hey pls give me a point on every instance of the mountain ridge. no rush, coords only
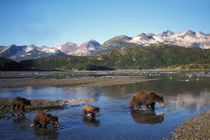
(189, 39)
(19, 53)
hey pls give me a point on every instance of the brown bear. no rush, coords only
(90, 110)
(20, 103)
(147, 99)
(43, 120)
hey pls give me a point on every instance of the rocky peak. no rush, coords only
(167, 33)
(92, 44)
(190, 33)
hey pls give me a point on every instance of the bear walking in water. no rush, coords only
(90, 110)
(20, 103)
(148, 99)
(43, 120)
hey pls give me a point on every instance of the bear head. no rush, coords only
(53, 120)
(160, 100)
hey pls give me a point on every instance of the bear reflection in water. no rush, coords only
(146, 116)
(49, 133)
(91, 121)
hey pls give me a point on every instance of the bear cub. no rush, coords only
(43, 119)
(89, 111)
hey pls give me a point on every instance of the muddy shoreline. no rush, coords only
(196, 128)
(72, 82)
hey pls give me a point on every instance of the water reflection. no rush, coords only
(146, 116)
(49, 133)
(189, 100)
(91, 122)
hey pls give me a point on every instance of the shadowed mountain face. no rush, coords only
(7, 65)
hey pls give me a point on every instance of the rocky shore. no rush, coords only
(38, 106)
(196, 128)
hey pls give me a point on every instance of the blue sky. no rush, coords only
(54, 22)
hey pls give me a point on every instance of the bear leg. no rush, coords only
(34, 124)
(13, 108)
(148, 106)
(84, 113)
(137, 105)
(22, 108)
(152, 106)
(43, 125)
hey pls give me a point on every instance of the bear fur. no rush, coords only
(20, 103)
(147, 99)
(89, 110)
(43, 119)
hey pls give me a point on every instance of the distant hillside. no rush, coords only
(157, 56)
(8, 65)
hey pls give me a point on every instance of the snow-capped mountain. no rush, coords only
(185, 39)
(188, 39)
(19, 53)
(86, 48)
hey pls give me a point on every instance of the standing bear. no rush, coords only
(43, 120)
(90, 111)
(20, 103)
(147, 99)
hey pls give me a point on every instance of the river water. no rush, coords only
(184, 98)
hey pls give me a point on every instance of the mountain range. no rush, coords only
(187, 39)
(19, 53)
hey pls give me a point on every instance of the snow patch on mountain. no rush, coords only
(186, 39)
(86, 48)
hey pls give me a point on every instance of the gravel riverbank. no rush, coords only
(196, 128)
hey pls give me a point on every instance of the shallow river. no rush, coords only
(184, 98)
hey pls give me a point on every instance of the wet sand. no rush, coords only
(195, 128)
(72, 82)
